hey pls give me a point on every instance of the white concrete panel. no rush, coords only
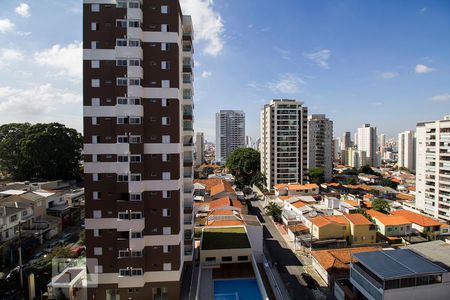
(135, 71)
(163, 148)
(154, 185)
(135, 52)
(99, 54)
(162, 93)
(160, 37)
(107, 167)
(134, 13)
(113, 278)
(106, 148)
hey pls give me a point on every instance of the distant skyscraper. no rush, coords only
(199, 149)
(382, 145)
(320, 144)
(284, 142)
(407, 150)
(230, 133)
(346, 140)
(336, 149)
(368, 142)
(433, 168)
(353, 158)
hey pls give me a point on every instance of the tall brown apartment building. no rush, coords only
(138, 152)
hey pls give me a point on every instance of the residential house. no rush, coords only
(295, 189)
(391, 225)
(420, 223)
(362, 231)
(330, 227)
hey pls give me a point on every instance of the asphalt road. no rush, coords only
(276, 250)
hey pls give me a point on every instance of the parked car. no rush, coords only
(65, 238)
(78, 250)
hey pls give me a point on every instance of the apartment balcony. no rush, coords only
(137, 244)
(134, 14)
(135, 71)
(135, 52)
(187, 36)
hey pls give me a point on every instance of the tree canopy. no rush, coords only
(381, 205)
(389, 183)
(244, 164)
(42, 151)
(272, 209)
(317, 175)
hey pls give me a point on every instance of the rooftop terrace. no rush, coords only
(225, 238)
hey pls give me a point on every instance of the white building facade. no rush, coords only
(407, 150)
(433, 168)
(284, 142)
(367, 141)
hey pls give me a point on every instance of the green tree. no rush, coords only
(389, 183)
(362, 212)
(44, 151)
(317, 175)
(367, 170)
(381, 205)
(244, 164)
(274, 210)
(352, 171)
(259, 180)
(351, 180)
(82, 238)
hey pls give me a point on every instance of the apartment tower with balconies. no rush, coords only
(138, 152)
(284, 142)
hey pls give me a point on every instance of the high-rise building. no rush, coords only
(368, 142)
(199, 149)
(407, 150)
(354, 158)
(336, 149)
(382, 145)
(138, 152)
(230, 133)
(346, 140)
(320, 144)
(433, 168)
(284, 142)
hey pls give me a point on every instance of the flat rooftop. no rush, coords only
(436, 251)
(394, 264)
(225, 238)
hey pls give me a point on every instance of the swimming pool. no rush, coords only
(236, 289)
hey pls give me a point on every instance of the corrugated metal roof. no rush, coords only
(391, 264)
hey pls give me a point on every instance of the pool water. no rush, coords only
(236, 289)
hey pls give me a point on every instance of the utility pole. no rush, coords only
(20, 255)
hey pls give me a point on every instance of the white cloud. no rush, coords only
(208, 25)
(389, 75)
(67, 59)
(206, 74)
(36, 99)
(423, 10)
(23, 9)
(287, 84)
(5, 25)
(9, 55)
(421, 69)
(441, 98)
(376, 103)
(284, 53)
(320, 58)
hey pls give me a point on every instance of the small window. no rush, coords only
(121, 23)
(167, 248)
(210, 259)
(164, 28)
(165, 121)
(95, 45)
(164, 102)
(134, 43)
(122, 139)
(121, 4)
(98, 251)
(165, 83)
(227, 258)
(135, 158)
(166, 194)
(98, 269)
(164, 9)
(121, 42)
(95, 7)
(94, 26)
(95, 82)
(94, 121)
(167, 230)
(165, 157)
(135, 197)
(165, 46)
(134, 24)
(167, 267)
(122, 178)
(122, 101)
(243, 258)
(166, 139)
(136, 139)
(166, 175)
(95, 101)
(166, 212)
(165, 65)
(135, 177)
(136, 235)
(122, 158)
(121, 62)
(97, 214)
(95, 64)
(135, 62)
(122, 82)
(96, 177)
(97, 232)
(133, 4)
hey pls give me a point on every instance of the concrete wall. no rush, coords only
(218, 254)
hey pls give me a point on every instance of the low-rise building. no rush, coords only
(330, 227)
(397, 275)
(420, 223)
(389, 225)
(295, 189)
(362, 231)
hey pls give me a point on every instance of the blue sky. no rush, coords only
(381, 62)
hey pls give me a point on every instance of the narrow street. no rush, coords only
(277, 251)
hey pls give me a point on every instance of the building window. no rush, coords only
(166, 194)
(167, 248)
(166, 212)
(95, 45)
(163, 102)
(95, 7)
(98, 250)
(96, 177)
(122, 139)
(95, 64)
(94, 121)
(122, 178)
(121, 42)
(134, 43)
(166, 175)
(97, 195)
(95, 101)
(167, 230)
(161, 293)
(165, 65)
(166, 139)
(227, 258)
(97, 232)
(164, 28)
(122, 82)
(98, 269)
(13, 218)
(121, 4)
(210, 259)
(94, 26)
(136, 235)
(165, 83)
(122, 158)
(135, 197)
(164, 9)
(135, 139)
(165, 121)
(95, 82)
(135, 120)
(165, 157)
(133, 4)
(135, 177)
(135, 158)
(121, 63)
(243, 258)
(134, 24)
(167, 267)
(165, 46)
(97, 214)
(121, 23)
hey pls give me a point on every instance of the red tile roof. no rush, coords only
(416, 218)
(357, 219)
